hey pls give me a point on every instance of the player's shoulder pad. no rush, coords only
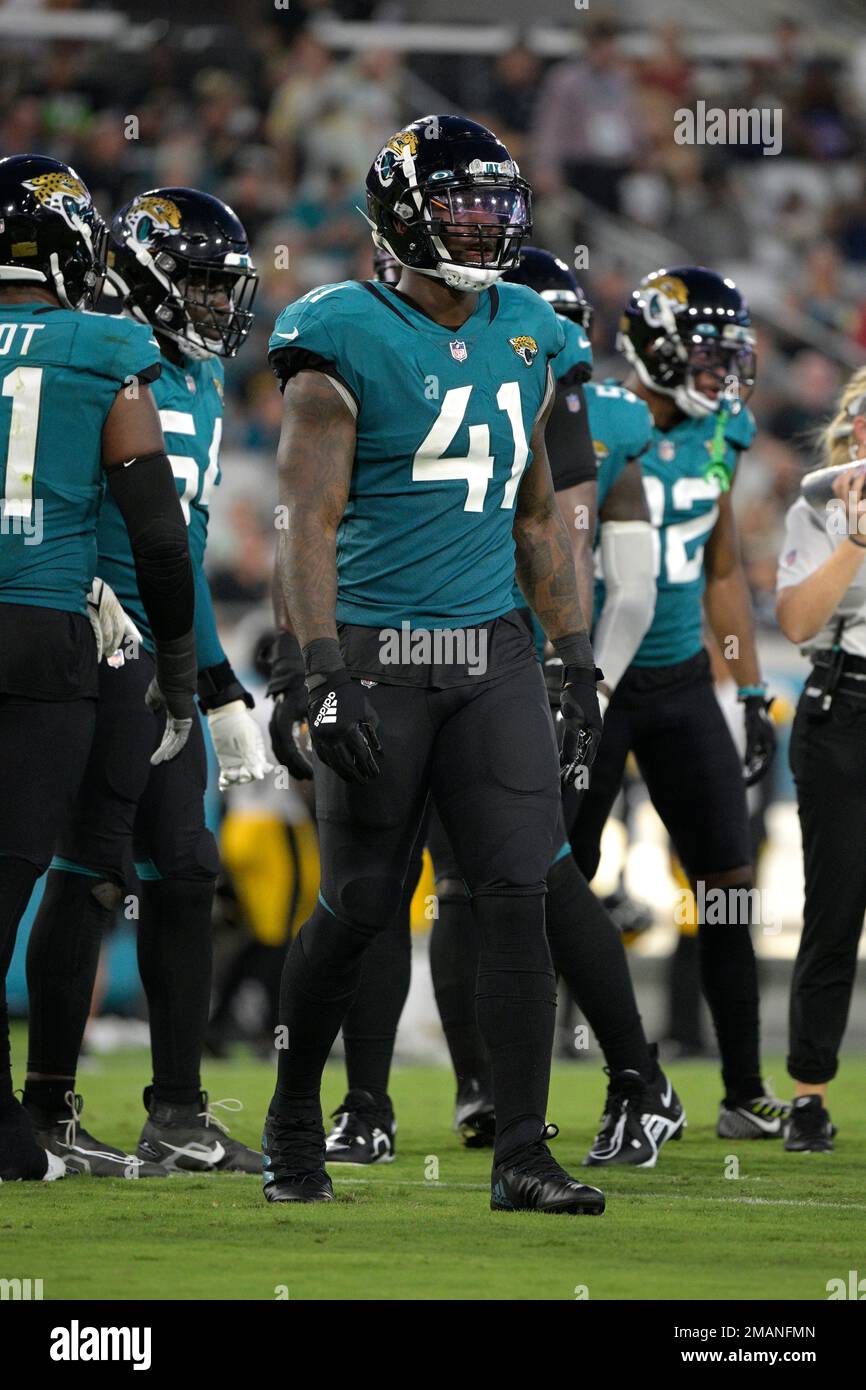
(118, 347)
(316, 331)
(617, 412)
(527, 313)
(741, 427)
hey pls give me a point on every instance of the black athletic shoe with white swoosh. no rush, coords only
(530, 1179)
(760, 1117)
(63, 1134)
(639, 1117)
(293, 1159)
(364, 1133)
(191, 1139)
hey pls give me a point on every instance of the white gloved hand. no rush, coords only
(109, 622)
(238, 744)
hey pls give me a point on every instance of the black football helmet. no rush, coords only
(551, 278)
(50, 232)
(688, 321)
(181, 261)
(445, 198)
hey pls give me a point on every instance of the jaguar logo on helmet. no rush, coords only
(660, 297)
(150, 214)
(401, 146)
(61, 193)
(526, 348)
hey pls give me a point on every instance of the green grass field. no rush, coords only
(780, 1230)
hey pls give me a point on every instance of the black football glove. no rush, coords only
(578, 708)
(289, 693)
(343, 727)
(760, 738)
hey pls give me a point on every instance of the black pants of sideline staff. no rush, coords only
(828, 760)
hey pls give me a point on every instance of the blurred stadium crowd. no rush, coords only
(281, 126)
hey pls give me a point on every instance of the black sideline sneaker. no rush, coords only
(191, 1139)
(762, 1117)
(639, 1117)
(809, 1129)
(62, 1133)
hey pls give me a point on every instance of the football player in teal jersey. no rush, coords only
(180, 261)
(686, 333)
(76, 413)
(585, 946)
(413, 473)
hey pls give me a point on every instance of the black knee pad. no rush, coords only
(191, 855)
(451, 890)
(367, 902)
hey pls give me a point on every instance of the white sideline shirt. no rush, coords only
(807, 545)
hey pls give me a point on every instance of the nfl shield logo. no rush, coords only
(667, 449)
(458, 350)
(573, 402)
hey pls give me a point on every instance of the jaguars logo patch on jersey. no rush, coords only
(526, 348)
(61, 193)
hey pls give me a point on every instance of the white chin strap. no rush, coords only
(470, 278)
(685, 397)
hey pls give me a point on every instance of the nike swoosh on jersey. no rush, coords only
(290, 336)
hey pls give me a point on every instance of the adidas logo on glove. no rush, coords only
(328, 712)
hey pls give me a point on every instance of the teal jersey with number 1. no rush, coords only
(189, 398)
(444, 419)
(60, 372)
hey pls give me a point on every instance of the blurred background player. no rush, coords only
(180, 261)
(76, 411)
(442, 487)
(686, 333)
(822, 607)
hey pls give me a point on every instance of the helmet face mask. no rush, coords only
(445, 199)
(180, 260)
(50, 232)
(688, 335)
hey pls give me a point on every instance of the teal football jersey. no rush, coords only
(685, 472)
(444, 421)
(621, 428)
(576, 352)
(190, 403)
(60, 371)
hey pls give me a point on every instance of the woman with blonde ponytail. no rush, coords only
(821, 605)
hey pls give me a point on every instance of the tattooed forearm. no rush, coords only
(314, 468)
(544, 557)
(545, 573)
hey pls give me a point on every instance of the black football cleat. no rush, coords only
(191, 1139)
(474, 1115)
(809, 1129)
(22, 1157)
(293, 1153)
(62, 1133)
(639, 1117)
(531, 1180)
(364, 1133)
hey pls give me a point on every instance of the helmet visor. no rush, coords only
(478, 226)
(725, 359)
(217, 300)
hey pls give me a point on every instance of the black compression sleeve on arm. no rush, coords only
(146, 496)
(568, 439)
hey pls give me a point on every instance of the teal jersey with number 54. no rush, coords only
(60, 372)
(685, 471)
(444, 418)
(190, 403)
